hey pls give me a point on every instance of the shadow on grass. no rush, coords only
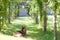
(58, 35)
(32, 32)
(10, 29)
(38, 34)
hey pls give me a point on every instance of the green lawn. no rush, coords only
(32, 29)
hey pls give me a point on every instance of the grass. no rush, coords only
(32, 29)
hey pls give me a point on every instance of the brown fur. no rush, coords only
(22, 32)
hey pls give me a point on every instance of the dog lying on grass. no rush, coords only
(22, 32)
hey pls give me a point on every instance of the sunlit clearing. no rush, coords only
(23, 20)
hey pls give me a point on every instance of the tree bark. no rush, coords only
(45, 17)
(55, 28)
(18, 9)
(45, 22)
(36, 18)
(55, 17)
(9, 14)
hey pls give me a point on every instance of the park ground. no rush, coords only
(33, 32)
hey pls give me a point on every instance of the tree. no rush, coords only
(55, 17)
(41, 11)
(9, 14)
(55, 6)
(3, 13)
(33, 11)
(45, 15)
(18, 9)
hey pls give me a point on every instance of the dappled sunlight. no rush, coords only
(29, 20)
(58, 23)
(50, 22)
(34, 31)
(39, 26)
(23, 20)
(16, 25)
(31, 32)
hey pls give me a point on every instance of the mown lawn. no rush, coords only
(32, 29)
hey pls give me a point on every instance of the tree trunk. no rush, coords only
(55, 28)
(54, 21)
(36, 18)
(28, 11)
(0, 24)
(15, 11)
(9, 14)
(45, 17)
(18, 9)
(45, 22)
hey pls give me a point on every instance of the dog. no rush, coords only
(22, 32)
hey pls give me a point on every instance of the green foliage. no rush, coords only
(41, 8)
(3, 10)
(1, 6)
(54, 5)
(16, 0)
(33, 7)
